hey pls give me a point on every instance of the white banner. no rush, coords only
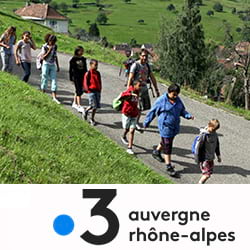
(159, 217)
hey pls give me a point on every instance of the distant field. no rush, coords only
(66, 44)
(123, 25)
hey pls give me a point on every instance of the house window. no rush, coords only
(52, 22)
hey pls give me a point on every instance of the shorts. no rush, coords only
(144, 99)
(94, 100)
(78, 87)
(207, 167)
(128, 122)
(167, 145)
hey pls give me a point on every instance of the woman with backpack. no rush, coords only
(7, 41)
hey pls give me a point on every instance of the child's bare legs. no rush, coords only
(93, 115)
(125, 133)
(131, 137)
(77, 100)
(204, 178)
(167, 159)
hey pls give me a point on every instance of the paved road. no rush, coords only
(234, 132)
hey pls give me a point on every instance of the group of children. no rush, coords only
(168, 107)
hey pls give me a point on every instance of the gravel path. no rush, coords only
(234, 132)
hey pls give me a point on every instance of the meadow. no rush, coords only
(123, 23)
(42, 142)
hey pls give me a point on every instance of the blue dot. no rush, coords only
(63, 224)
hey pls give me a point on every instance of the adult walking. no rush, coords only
(141, 71)
(23, 54)
(7, 41)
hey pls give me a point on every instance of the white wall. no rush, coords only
(60, 26)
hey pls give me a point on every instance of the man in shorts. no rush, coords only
(141, 71)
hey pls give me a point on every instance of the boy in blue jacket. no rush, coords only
(168, 108)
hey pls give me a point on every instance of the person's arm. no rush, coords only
(46, 52)
(32, 44)
(71, 70)
(130, 79)
(57, 64)
(152, 113)
(2, 44)
(17, 49)
(185, 114)
(217, 150)
(152, 77)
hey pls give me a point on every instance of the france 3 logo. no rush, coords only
(64, 225)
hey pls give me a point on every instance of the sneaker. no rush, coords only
(171, 171)
(157, 155)
(85, 115)
(56, 101)
(92, 122)
(74, 105)
(130, 151)
(139, 128)
(80, 109)
(124, 140)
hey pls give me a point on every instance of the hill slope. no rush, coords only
(123, 18)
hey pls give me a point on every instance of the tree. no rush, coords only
(199, 2)
(218, 7)
(127, 1)
(140, 21)
(228, 38)
(63, 6)
(181, 47)
(54, 5)
(234, 10)
(102, 18)
(94, 30)
(75, 3)
(246, 32)
(133, 43)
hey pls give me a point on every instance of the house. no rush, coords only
(45, 15)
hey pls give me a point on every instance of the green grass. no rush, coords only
(123, 25)
(41, 142)
(65, 43)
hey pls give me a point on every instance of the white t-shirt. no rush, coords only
(24, 51)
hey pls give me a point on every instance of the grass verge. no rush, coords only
(41, 142)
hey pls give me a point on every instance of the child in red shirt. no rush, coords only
(130, 112)
(92, 85)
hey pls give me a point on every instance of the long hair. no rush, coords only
(10, 31)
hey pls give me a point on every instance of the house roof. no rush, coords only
(41, 11)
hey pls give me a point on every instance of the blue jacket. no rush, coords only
(168, 116)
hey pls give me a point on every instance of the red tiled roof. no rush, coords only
(43, 11)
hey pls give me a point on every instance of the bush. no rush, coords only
(171, 7)
(238, 29)
(210, 13)
(102, 18)
(218, 7)
(141, 21)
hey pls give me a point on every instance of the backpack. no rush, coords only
(128, 63)
(39, 61)
(117, 103)
(198, 147)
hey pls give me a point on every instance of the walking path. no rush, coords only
(234, 132)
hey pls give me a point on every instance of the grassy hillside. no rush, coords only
(123, 18)
(66, 44)
(41, 142)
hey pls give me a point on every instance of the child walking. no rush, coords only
(208, 147)
(169, 107)
(92, 85)
(130, 112)
(23, 54)
(49, 65)
(77, 70)
(7, 41)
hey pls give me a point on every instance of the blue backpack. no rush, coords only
(197, 146)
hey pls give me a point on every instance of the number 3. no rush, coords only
(106, 196)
